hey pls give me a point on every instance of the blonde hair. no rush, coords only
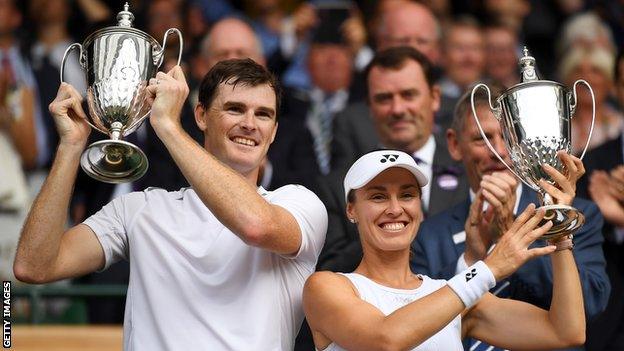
(600, 58)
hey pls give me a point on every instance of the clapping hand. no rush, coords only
(607, 191)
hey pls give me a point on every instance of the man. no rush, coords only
(464, 63)
(501, 54)
(302, 150)
(464, 233)
(403, 100)
(220, 265)
(400, 23)
(231, 38)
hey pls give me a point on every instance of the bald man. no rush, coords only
(231, 38)
(410, 24)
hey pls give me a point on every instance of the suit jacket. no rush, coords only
(292, 152)
(439, 244)
(342, 251)
(355, 134)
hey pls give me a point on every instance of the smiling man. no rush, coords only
(224, 259)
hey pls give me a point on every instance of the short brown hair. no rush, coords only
(395, 58)
(236, 71)
(463, 106)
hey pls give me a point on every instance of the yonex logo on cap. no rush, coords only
(389, 157)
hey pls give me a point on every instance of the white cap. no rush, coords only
(373, 163)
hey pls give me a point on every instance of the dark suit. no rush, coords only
(292, 152)
(607, 331)
(436, 254)
(355, 133)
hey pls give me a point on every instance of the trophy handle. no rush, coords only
(162, 56)
(573, 108)
(82, 64)
(67, 51)
(496, 112)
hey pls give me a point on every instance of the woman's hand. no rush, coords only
(564, 191)
(512, 250)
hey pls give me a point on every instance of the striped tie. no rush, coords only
(322, 141)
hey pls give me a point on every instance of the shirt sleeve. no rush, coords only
(310, 214)
(111, 224)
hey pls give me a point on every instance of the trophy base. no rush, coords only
(114, 161)
(566, 219)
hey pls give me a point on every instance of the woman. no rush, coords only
(383, 305)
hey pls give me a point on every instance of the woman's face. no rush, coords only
(600, 83)
(388, 210)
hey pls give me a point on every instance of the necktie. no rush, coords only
(322, 140)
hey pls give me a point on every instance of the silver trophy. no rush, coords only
(535, 118)
(119, 61)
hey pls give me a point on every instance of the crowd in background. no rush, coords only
(319, 50)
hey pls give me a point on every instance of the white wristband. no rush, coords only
(472, 283)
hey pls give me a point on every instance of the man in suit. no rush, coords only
(464, 233)
(403, 24)
(403, 100)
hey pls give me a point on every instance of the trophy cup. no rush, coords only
(535, 119)
(119, 61)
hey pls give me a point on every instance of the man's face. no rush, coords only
(410, 25)
(239, 125)
(402, 105)
(231, 39)
(330, 67)
(501, 60)
(470, 148)
(465, 58)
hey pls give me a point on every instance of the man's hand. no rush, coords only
(166, 96)
(304, 18)
(484, 227)
(69, 117)
(565, 189)
(605, 190)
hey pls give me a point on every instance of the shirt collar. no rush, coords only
(426, 153)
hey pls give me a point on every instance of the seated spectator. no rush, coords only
(604, 185)
(594, 65)
(501, 55)
(456, 238)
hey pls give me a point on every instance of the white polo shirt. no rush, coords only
(195, 285)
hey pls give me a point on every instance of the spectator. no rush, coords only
(596, 67)
(604, 186)
(464, 64)
(501, 55)
(463, 234)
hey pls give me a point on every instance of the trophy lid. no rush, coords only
(527, 67)
(125, 17)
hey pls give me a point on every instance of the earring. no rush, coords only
(352, 220)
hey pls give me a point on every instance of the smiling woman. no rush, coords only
(382, 305)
